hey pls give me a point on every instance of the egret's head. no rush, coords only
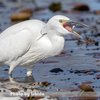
(63, 25)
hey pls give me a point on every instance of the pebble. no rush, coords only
(68, 78)
(58, 89)
(6, 69)
(56, 70)
(96, 43)
(71, 51)
(54, 84)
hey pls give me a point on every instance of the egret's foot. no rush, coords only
(29, 73)
(12, 79)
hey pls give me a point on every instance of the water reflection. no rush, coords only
(27, 79)
(23, 88)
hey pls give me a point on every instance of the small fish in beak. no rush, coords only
(70, 25)
(73, 27)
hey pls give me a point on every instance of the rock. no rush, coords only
(2, 5)
(45, 83)
(81, 7)
(6, 69)
(96, 43)
(55, 7)
(20, 16)
(14, 89)
(56, 70)
(97, 12)
(85, 87)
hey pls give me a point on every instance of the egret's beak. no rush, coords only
(70, 25)
(76, 23)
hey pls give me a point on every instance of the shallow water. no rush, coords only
(63, 85)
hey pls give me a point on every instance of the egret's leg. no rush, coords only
(12, 66)
(12, 79)
(29, 70)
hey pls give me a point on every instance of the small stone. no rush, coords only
(81, 7)
(50, 87)
(96, 43)
(97, 77)
(2, 5)
(32, 89)
(14, 89)
(55, 7)
(20, 16)
(58, 89)
(92, 86)
(97, 12)
(82, 20)
(68, 78)
(84, 31)
(76, 83)
(85, 87)
(56, 70)
(45, 83)
(53, 84)
(94, 78)
(71, 51)
(6, 69)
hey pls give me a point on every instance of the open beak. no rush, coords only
(70, 25)
(77, 23)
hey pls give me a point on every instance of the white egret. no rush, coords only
(30, 41)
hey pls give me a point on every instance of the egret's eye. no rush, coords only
(60, 20)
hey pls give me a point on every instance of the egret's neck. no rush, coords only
(57, 42)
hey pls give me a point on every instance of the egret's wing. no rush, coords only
(16, 40)
(34, 26)
(16, 45)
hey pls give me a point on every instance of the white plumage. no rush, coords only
(30, 41)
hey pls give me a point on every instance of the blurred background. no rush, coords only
(14, 11)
